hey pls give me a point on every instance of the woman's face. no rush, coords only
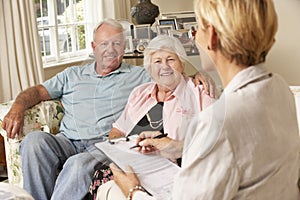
(166, 68)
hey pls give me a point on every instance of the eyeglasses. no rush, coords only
(117, 140)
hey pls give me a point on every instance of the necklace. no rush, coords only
(154, 124)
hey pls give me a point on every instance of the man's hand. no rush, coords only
(14, 120)
(115, 133)
(166, 146)
(125, 180)
(209, 85)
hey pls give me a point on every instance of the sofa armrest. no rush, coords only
(45, 116)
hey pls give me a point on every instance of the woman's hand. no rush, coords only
(166, 146)
(125, 180)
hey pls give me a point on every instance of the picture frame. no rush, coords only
(170, 21)
(187, 42)
(181, 17)
(180, 14)
(153, 32)
(142, 31)
(142, 45)
(126, 26)
(192, 27)
(188, 25)
(182, 35)
(164, 29)
(128, 44)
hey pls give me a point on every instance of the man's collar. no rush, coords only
(91, 69)
(124, 68)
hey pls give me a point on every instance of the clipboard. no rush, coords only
(155, 172)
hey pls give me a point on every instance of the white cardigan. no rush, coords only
(248, 148)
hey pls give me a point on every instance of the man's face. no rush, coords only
(108, 47)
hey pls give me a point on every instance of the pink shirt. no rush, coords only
(186, 101)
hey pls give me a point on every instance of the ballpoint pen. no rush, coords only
(156, 137)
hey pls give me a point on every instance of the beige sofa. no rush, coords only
(45, 116)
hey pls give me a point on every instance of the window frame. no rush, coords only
(75, 54)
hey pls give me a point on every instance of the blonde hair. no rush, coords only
(245, 29)
(164, 42)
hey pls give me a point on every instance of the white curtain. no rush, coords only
(116, 9)
(100, 9)
(20, 57)
(122, 9)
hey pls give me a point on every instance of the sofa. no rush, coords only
(45, 116)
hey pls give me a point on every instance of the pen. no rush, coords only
(156, 137)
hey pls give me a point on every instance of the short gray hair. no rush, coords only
(164, 42)
(114, 23)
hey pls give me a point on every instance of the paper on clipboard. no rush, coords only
(155, 172)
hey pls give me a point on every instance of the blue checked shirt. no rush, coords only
(93, 102)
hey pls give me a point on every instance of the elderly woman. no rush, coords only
(163, 105)
(246, 145)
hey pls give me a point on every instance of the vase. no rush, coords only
(144, 12)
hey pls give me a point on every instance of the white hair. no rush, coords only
(164, 42)
(114, 23)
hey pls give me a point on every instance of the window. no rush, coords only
(62, 28)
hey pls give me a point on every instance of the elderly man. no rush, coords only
(93, 96)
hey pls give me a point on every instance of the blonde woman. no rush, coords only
(246, 145)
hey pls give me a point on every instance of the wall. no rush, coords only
(166, 6)
(51, 71)
(284, 57)
(170, 5)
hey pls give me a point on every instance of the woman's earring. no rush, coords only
(208, 47)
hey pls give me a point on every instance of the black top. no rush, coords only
(152, 122)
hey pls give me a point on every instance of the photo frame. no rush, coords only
(192, 27)
(182, 35)
(153, 32)
(142, 31)
(189, 25)
(188, 43)
(181, 17)
(142, 45)
(171, 21)
(181, 14)
(164, 29)
(126, 26)
(128, 44)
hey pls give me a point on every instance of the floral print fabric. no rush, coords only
(45, 116)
